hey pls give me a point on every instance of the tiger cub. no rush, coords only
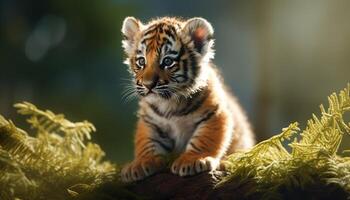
(184, 107)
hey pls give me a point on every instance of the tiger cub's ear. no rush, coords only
(131, 26)
(200, 32)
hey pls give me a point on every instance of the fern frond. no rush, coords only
(46, 122)
(11, 174)
(56, 129)
(57, 159)
(312, 160)
(327, 132)
(13, 139)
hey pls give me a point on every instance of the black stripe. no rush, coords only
(165, 142)
(194, 65)
(181, 53)
(202, 136)
(203, 144)
(158, 130)
(158, 50)
(150, 30)
(160, 29)
(174, 69)
(164, 146)
(207, 116)
(180, 76)
(168, 42)
(145, 117)
(173, 79)
(146, 152)
(125, 37)
(165, 94)
(145, 40)
(168, 32)
(194, 102)
(195, 147)
(156, 110)
(172, 28)
(158, 40)
(185, 68)
(172, 52)
(166, 47)
(149, 146)
(191, 109)
(184, 61)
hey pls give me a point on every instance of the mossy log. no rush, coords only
(164, 186)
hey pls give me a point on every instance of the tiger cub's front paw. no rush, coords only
(193, 164)
(141, 168)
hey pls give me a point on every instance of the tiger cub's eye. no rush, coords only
(141, 62)
(168, 62)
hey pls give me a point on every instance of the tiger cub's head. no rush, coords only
(168, 57)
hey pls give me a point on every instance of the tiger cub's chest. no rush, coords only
(178, 129)
(182, 129)
(178, 121)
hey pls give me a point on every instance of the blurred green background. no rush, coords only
(282, 58)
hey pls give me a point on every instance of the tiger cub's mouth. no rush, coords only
(162, 92)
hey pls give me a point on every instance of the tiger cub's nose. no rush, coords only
(150, 84)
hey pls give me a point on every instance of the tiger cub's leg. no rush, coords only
(150, 145)
(207, 146)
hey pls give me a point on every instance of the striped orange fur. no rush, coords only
(184, 107)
